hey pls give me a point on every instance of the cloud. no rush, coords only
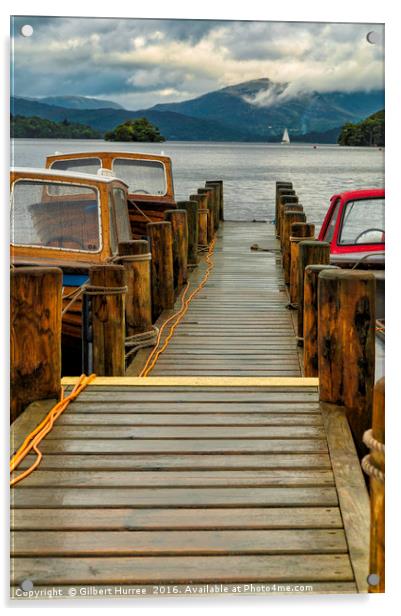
(140, 62)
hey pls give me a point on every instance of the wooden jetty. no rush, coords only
(224, 466)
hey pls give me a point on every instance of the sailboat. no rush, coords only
(285, 138)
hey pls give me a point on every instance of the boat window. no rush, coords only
(55, 215)
(80, 165)
(121, 213)
(144, 177)
(332, 224)
(363, 222)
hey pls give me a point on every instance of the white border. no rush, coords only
(286, 10)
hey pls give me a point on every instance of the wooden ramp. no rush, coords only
(193, 481)
(237, 325)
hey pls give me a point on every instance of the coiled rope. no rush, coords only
(374, 445)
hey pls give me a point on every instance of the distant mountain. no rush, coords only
(265, 108)
(257, 110)
(174, 126)
(77, 102)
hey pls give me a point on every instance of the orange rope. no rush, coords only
(37, 435)
(154, 356)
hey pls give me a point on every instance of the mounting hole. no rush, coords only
(373, 579)
(27, 30)
(27, 585)
(373, 37)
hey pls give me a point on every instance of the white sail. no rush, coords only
(285, 137)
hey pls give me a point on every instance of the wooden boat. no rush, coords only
(148, 177)
(69, 220)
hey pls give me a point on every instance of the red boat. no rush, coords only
(354, 227)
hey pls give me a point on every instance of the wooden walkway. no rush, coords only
(240, 478)
(237, 324)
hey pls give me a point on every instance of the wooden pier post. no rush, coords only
(310, 335)
(209, 204)
(299, 231)
(192, 210)
(377, 492)
(107, 290)
(283, 195)
(216, 187)
(135, 257)
(290, 217)
(221, 196)
(161, 247)
(346, 341)
(287, 207)
(35, 346)
(279, 190)
(311, 252)
(202, 218)
(284, 200)
(179, 228)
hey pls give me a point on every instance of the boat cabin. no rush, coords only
(148, 177)
(354, 227)
(72, 220)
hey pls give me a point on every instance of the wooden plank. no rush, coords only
(183, 432)
(100, 479)
(157, 461)
(180, 569)
(161, 408)
(198, 382)
(184, 519)
(173, 542)
(174, 497)
(351, 488)
(189, 419)
(184, 446)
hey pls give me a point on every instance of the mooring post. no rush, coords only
(161, 247)
(284, 208)
(192, 210)
(215, 186)
(299, 231)
(284, 200)
(179, 228)
(346, 342)
(107, 290)
(375, 440)
(284, 196)
(311, 252)
(221, 197)
(35, 324)
(290, 216)
(282, 188)
(202, 219)
(135, 257)
(311, 368)
(209, 203)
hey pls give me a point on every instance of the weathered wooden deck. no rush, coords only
(191, 479)
(237, 324)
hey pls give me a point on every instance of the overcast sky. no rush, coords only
(139, 63)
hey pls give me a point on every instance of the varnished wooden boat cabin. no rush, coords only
(149, 179)
(69, 220)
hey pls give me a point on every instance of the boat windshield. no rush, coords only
(363, 222)
(55, 215)
(144, 177)
(80, 165)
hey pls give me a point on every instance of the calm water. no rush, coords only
(249, 170)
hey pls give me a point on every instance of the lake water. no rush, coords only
(249, 170)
